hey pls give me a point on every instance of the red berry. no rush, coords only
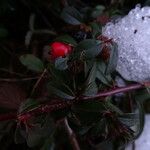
(59, 49)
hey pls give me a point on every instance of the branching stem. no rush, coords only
(47, 108)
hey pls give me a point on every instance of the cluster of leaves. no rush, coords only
(87, 71)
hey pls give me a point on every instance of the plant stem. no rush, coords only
(71, 135)
(116, 90)
(47, 108)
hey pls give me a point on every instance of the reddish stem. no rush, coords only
(46, 108)
(115, 91)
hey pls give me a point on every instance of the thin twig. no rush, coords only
(18, 80)
(71, 135)
(38, 81)
(12, 72)
(44, 31)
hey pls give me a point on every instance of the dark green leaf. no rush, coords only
(141, 119)
(129, 119)
(59, 92)
(92, 75)
(71, 15)
(142, 95)
(113, 59)
(97, 11)
(99, 127)
(66, 39)
(61, 63)
(92, 89)
(90, 47)
(100, 74)
(112, 107)
(97, 71)
(96, 29)
(32, 62)
(60, 84)
(28, 105)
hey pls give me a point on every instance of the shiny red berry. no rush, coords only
(59, 49)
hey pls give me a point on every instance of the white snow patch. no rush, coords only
(132, 34)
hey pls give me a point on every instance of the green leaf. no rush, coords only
(101, 75)
(96, 29)
(129, 119)
(97, 71)
(141, 119)
(97, 11)
(92, 75)
(112, 107)
(99, 127)
(28, 105)
(142, 95)
(113, 59)
(32, 62)
(90, 47)
(66, 39)
(92, 89)
(60, 84)
(59, 93)
(71, 15)
(61, 63)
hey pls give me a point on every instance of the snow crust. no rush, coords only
(132, 34)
